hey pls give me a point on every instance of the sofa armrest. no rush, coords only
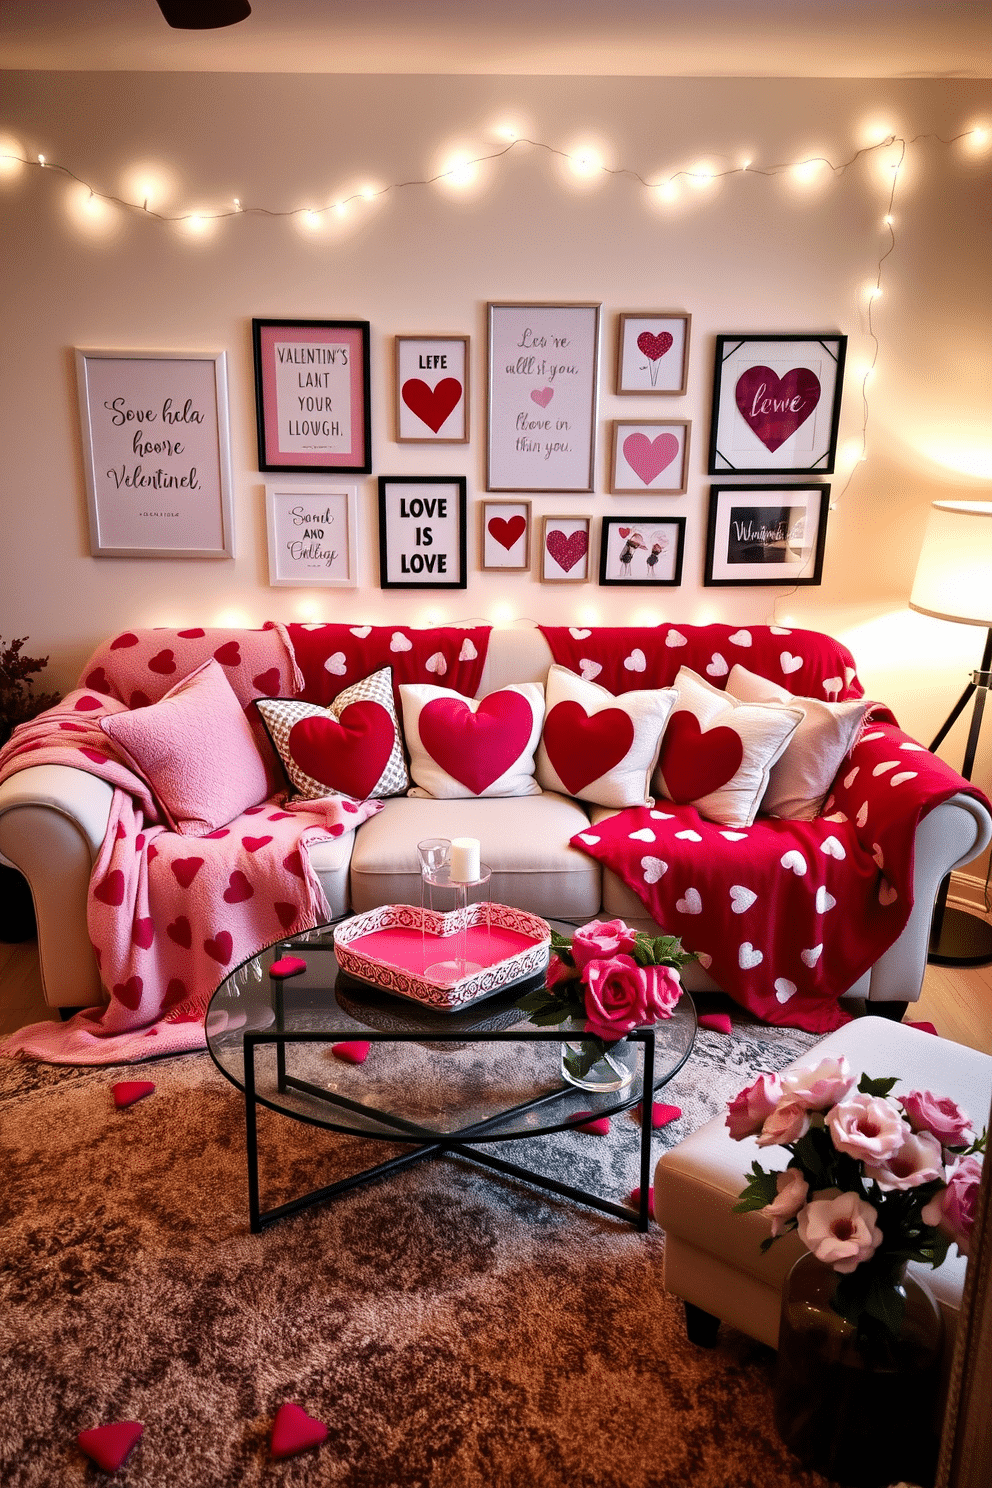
(53, 819)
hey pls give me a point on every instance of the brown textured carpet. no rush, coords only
(452, 1328)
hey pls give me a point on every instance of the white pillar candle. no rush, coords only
(465, 859)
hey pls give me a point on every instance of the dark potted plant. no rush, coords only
(18, 703)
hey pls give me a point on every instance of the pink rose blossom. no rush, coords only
(821, 1085)
(841, 1231)
(664, 989)
(938, 1114)
(559, 972)
(868, 1127)
(747, 1111)
(600, 940)
(792, 1190)
(918, 1160)
(954, 1208)
(617, 997)
(787, 1123)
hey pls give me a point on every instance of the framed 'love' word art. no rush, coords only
(505, 534)
(422, 531)
(776, 404)
(432, 389)
(312, 395)
(653, 352)
(766, 534)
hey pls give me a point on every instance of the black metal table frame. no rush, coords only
(460, 1143)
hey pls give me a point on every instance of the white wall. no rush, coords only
(752, 253)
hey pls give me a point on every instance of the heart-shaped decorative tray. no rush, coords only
(483, 949)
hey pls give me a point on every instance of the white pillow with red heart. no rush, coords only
(600, 747)
(350, 748)
(802, 776)
(463, 746)
(717, 753)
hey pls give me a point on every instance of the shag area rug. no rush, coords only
(452, 1328)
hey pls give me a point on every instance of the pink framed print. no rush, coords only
(565, 550)
(312, 395)
(432, 389)
(653, 352)
(505, 534)
(652, 455)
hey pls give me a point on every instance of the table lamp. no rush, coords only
(954, 582)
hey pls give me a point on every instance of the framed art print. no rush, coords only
(653, 352)
(565, 550)
(766, 534)
(652, 455)
(543, 381)
(312, 534)
(156, 454)
(776, 404)
(422, 532)
(505, 534)
(312, 395)
(432, 389)
(641, 550)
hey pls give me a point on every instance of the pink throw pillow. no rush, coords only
(196, 750)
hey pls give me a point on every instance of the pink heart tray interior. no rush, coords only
(394, 946)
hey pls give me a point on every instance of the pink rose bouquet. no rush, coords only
(873, 1180)
(610, 979)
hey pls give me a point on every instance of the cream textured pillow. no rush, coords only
(600, 747)
(717, 754)
(463, 746)
(800, 780)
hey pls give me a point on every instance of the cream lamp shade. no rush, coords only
(954, 574)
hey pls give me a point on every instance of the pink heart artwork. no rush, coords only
(654, 347)
(506, 530)
(542, 396)
(775, 407)
(646, 457)
(432, 405)
(567, 551)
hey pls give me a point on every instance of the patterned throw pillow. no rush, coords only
(351, 748)
(717, 753)
(472, 746)
(598, 747)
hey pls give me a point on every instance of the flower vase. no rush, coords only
(857, 1398)
(592, 1064)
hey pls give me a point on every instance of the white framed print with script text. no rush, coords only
(432, 389)
(156, 453)
(776, 404)
(543, 384)
(766, 534)
(312, 534)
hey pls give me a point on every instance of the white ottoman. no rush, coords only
(713, 1259)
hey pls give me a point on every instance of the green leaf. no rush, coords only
(868, 1086)
(761, 1189)
(533, 1002)
(549, 1016)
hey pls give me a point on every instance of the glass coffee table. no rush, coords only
(441, 1083)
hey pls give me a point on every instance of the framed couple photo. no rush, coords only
(642, 550)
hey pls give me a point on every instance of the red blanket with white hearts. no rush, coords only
(787, 915)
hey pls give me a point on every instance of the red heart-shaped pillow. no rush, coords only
(347, 754)
(476, 748)
(695, 763)
(583, 747)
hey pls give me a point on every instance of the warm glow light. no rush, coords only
(237, 204)
(41, 159)
(807, 170)
(585, 162)
(700, 177)
(233, 619)
(646, 617)
(369, 193)
(308, 609)
(888, 220)
(850, 453)
(501, 615)
(668, 191)
(590, 615)
(311, 220)
(341, 208)
(459, 171)
(964, 457)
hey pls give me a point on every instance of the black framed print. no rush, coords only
(642, 550)
(776, 404)
(766, 534)
(422, 531)
(312, 395)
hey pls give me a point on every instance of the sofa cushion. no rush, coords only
(350, 748)
(196, 750)
(465, 747)
(802, 776)
(599, 747)
(717, 753)
(525, 842)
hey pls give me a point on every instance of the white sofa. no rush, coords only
(53, 819)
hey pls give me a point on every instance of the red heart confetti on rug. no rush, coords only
(293, 1431)
(634, 1200)
(287, 966)
(924, 1028)
(126, 1092)
(661, 1114)
(599, 1125)
(718, 1022)
(109, 1446)
(352, 1053)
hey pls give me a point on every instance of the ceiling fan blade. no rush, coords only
(203, 15)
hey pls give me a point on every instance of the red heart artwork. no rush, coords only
(129, 992)
(229, 654)
(110, 890)
(476, 748)
(286, 913)
(506, 530)
(654, 347)
(126, 1092)
(567, 551)
(267, 682)
(775, 407)
(186, 869)
(98, 680)
(193, 634)
(139, 699)
(180, 931)
(693, 762)
(163, 662)
(581, 747)
(646, 457)
(293, 1431)
(86, 705)
(253, 844)
(238, 888)
(220, 949)
(432, 405)
(109, 1446)
(346, 754)
(143, 932)
(293, 863)
(123, 641)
